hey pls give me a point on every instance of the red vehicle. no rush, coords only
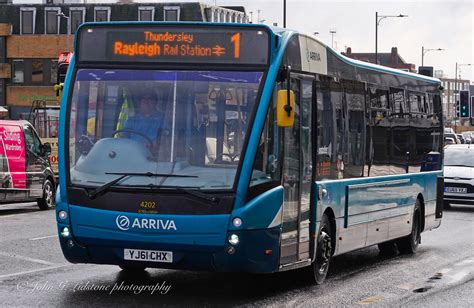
(25, 170)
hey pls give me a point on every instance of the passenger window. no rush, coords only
(354, 144)
(397, 100)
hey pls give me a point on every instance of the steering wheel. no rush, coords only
(84, 144)
(125, 130)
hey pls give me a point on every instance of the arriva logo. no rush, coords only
(123, 223)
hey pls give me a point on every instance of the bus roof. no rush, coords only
(286, 34)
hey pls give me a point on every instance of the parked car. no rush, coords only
(25, 170)
(448, 130)
(459, 174)
(448, 141)
(453, 136)
(467, 137)
(461, 138)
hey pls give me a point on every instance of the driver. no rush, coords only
(147, 120)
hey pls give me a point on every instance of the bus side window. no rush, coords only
(266, 173)
(354, 141)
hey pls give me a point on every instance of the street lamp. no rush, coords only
(332, 31)
(425, 50)
(68, 28)
(378, 19)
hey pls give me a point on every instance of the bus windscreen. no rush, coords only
(173, 44)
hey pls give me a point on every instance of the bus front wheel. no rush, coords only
(324, 247)
(409, 244)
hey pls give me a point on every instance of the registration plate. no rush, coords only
(459, 190)
(148, 255)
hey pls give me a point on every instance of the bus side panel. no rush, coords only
(369, 211)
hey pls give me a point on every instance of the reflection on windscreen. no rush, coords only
(459, 157)
(169, 122)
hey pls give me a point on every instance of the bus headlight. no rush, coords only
(237, 222)
(65, 232)
(234, 239)
(62, 215)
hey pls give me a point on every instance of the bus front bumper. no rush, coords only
(257, 251)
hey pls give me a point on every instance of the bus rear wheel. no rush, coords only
(324, 247)
(409, 244)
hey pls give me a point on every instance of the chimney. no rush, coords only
(394, 56)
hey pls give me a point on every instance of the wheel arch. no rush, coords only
(422, 211)
(332, 222)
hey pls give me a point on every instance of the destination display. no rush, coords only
(176, 44)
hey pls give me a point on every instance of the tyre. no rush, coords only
(324, 249)
(388, 249)
(47, 201)
(409, 244)
(446, 205)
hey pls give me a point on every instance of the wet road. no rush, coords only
(33, 272)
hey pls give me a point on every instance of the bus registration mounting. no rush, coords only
(148, 255)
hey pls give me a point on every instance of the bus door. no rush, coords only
(297, 176)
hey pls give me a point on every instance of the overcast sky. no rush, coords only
(447, 24)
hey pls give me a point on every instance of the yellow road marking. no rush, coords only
(371, 299)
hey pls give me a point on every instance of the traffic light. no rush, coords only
(464, 104)
(457, 110)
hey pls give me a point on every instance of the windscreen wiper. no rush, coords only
(190, 190)
(102, 189)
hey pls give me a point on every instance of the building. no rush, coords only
(449, 98)
(392, 59)
(33, 35)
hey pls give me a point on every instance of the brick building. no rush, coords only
(391, 59)
(33, 35)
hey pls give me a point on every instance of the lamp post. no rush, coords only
(425, 50)
(332, 31)
(458, 65)
(68, 28)
(378, 19)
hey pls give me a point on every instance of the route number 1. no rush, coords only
(235, 39)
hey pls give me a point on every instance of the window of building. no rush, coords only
(146, 13)
(18, 71)
(101, 13)
(2, 92)
(172, 13)
(27, 20)
(3, 49)
(215, 16)
(54, 71)
(37, 71)
(76, 16)
(51, 20)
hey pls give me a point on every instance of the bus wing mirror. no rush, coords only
(58, 88)
(285, 108)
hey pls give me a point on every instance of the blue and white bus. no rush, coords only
(269, 150)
